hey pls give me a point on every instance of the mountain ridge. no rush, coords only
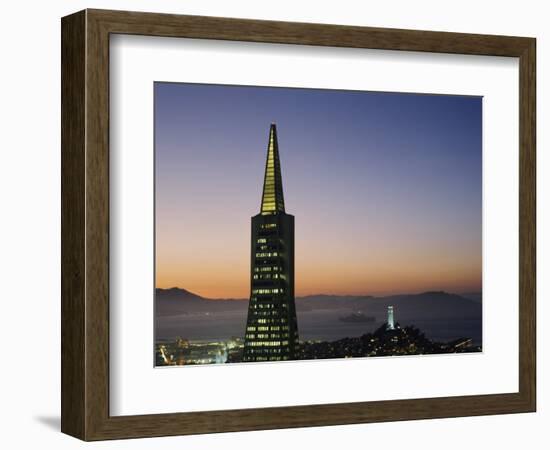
(174, 301)
(316, 296)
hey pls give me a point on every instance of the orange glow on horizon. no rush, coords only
(231, 279)
(387, 262)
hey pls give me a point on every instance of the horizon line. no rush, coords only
(328, 295)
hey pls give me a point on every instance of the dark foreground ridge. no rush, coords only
(383, 342)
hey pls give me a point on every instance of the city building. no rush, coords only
(272, 328)
(391, 324)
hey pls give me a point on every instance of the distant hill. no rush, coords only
(476, 296)
(176, 301)
(178, 293)
(435, 304)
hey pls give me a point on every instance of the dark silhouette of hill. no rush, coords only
(176, 301)
(476, 296)
(428, 305)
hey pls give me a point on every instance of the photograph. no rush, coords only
(296, 224)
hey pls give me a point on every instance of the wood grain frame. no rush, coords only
(85, 224)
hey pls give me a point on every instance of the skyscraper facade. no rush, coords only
(272, 327)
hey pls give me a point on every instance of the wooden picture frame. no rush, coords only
(85, 224)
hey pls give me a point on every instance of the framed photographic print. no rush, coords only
(270, 224)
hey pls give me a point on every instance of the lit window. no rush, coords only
(266, 254)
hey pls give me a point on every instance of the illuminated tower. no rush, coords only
(391, 324)
(272, 327)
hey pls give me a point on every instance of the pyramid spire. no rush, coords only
(272, 199)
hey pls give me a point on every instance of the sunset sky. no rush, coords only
(385, 188)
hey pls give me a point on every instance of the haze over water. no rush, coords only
(321, 325)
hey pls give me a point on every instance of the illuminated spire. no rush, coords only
(272, 199)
